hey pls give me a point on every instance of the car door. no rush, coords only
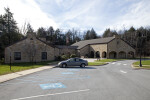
(71, 62)
(77, 62)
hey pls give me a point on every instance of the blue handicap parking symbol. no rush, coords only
(67, 73)
(52, 86)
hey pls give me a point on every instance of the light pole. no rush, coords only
(140, 57)
(140, 37)
(10, 61)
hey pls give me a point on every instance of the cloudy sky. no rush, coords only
(80, 14)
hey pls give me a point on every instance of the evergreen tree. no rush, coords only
(41, 32)
(87, 35)
(93, 34)
(9, 32)
(50, 33)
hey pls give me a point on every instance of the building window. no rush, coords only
(44, 55)
(17, 55)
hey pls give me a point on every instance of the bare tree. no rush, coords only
(24, 28)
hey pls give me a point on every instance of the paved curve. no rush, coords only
(115, 81)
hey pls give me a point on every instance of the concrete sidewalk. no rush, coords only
(7, 77)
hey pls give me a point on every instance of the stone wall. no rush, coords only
(98, 48)
(119, 47)
(67, 51)
(116, 48)
(83, 52)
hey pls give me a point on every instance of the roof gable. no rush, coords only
(34, 38)
(81, 44)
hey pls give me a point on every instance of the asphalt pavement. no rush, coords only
(114, 81)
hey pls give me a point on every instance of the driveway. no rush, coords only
(115, 81)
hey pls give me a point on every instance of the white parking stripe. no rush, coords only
(50, 94)
(123, 71)
(118, 63)
(124, 64)
(113, 63)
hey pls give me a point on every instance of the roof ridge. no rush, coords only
(46, 43)
(96, 39)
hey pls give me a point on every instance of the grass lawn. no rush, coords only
(102, 61)
(95, 63)
(108, 60)
(145, 64)
(143, 57)
(5, 68)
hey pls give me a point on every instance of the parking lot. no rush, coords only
(115, 81)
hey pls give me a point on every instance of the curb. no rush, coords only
(138, 68)
(7, 77)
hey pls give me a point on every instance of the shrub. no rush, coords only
(64, 57)
(58, 58)
(73, 56)
(2, 61)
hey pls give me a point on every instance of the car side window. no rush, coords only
(80, 59)
(72, 60)
(77, 59)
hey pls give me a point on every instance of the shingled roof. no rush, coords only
(81, 44)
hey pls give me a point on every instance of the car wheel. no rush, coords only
(64, 65)
(82, 65)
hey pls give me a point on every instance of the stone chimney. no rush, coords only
(31, 35)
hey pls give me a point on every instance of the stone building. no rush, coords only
(110, 47)
(33, 49)
(66, 50)
(30, 49)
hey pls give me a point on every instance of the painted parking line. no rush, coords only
(125, 64)
(52, 86)
(36, 96)
(66, 73)
(123, 71)
(113, 63)
(118, 63)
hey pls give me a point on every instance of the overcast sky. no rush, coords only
(80, 14)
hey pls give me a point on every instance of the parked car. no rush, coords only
(73, 62)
